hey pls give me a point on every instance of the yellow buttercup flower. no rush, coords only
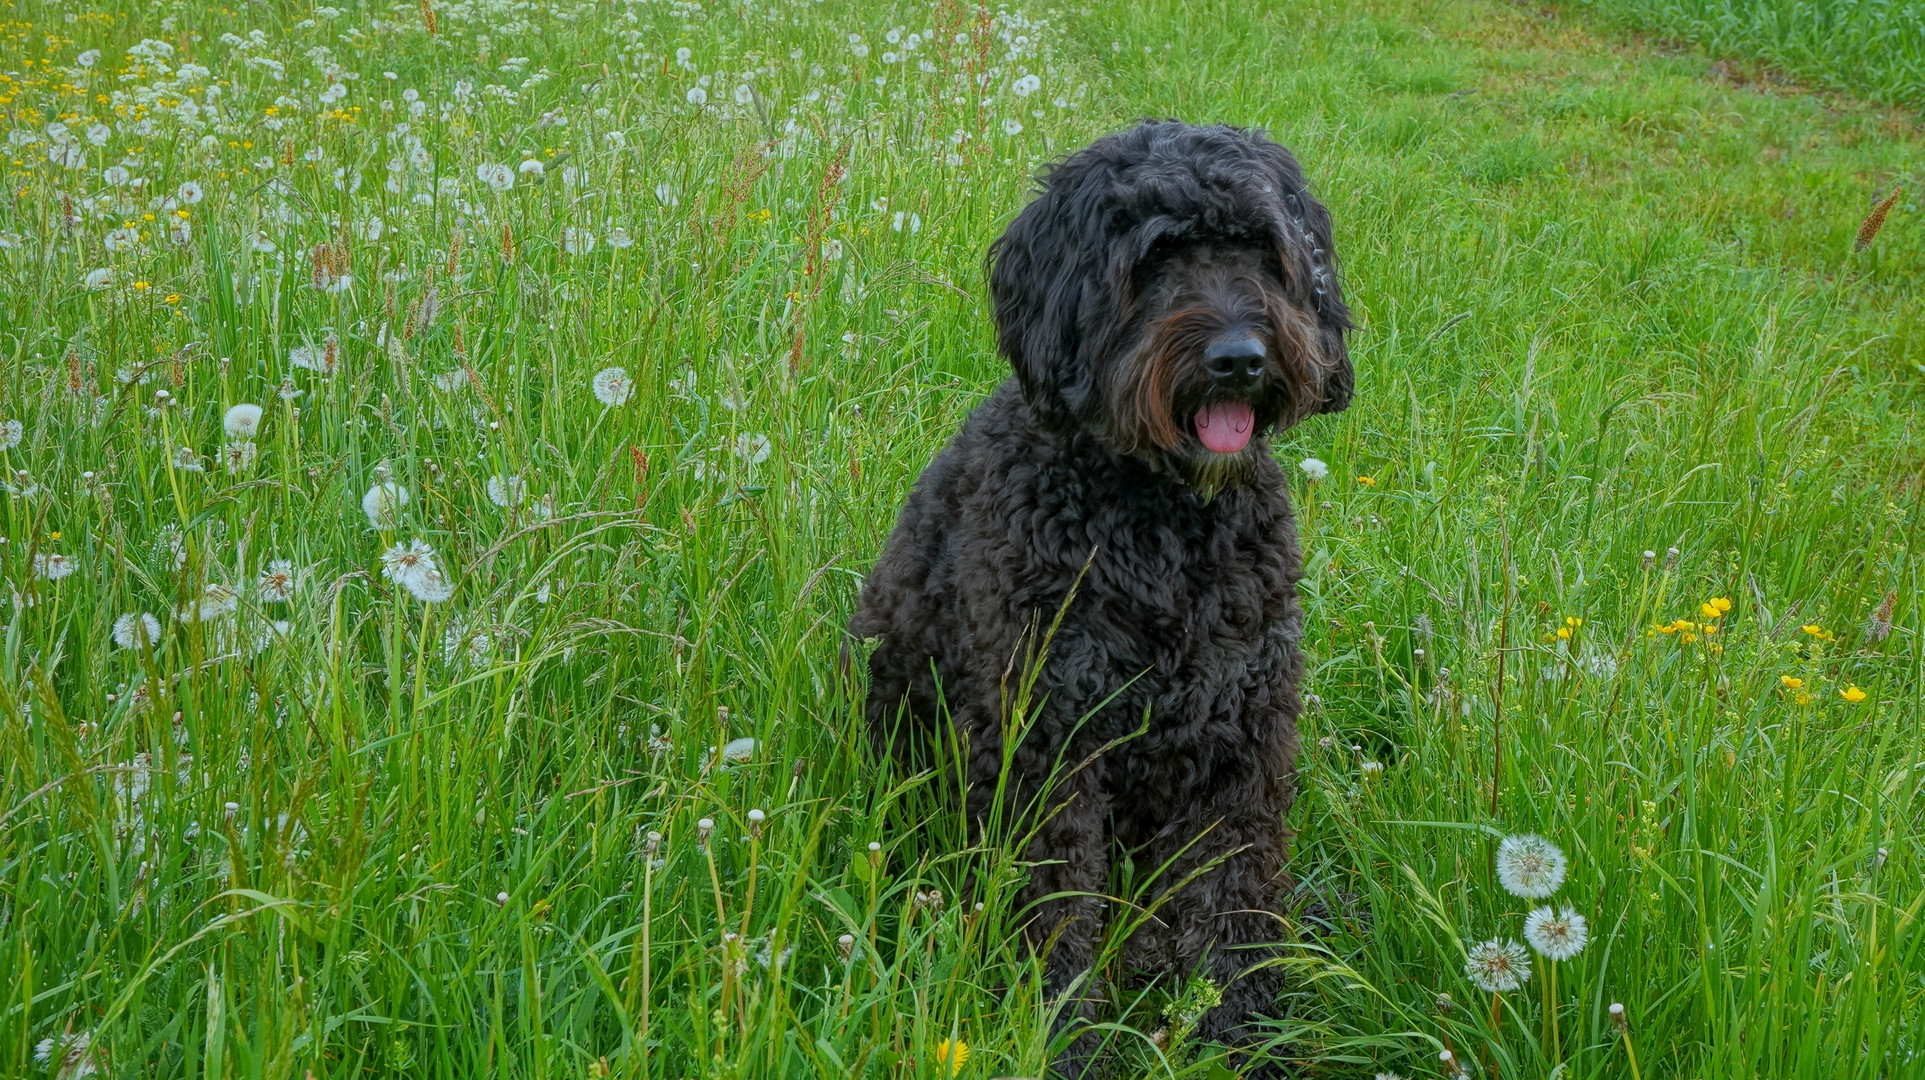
(1852, 694)
(1367, 481)
(952, 1052)
(1792, 682)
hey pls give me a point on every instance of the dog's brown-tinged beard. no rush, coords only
(1304, 366)
(1142, 402)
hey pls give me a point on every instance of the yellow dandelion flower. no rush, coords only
(952, 1052)
(1367, 481)
(1792, 682)
(1852, 694)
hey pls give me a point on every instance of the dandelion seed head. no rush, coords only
(1530, 866)
(405, 564)
(52, 566)
(277, 582)
(383, 504)
(612, 386)
(506, 491)
(1557, 935)
(1314, 469)
(136, 630)
(242, 421)
(1497, 966)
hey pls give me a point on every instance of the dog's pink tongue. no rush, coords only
(1225, 426)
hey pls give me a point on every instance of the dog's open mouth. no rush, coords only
(1226, 426)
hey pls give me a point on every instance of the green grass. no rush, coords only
(1607, 307)
(1872, 47)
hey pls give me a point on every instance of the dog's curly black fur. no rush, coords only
(1167, 279)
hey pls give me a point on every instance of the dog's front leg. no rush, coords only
(1226, 858)
(1061, 904)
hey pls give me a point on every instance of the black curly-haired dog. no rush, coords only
(1167, 300)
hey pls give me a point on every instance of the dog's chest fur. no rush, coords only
(1187, 607)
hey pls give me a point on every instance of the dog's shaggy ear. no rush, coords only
(1050, 285)
(1309, 251)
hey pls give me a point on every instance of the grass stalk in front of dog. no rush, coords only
(639, 318)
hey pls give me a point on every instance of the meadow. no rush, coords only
(442, 443)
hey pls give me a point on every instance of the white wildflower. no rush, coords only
(383, 503)
(216, 601)
(136, 630)
(432, 587)
(611, 385)
(52, 566)
(277, 582)
(753, 449)
(1530, 866)
(405, 564)
(242, 421)
(1558, 935)
(499, 178)
(1497, 967)
(239, 456)
(323, 358)
(505, 491)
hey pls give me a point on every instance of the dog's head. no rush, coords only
(1173, 290)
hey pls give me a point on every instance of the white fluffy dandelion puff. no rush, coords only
(1314, 470)
(499, 178)
(12, 430)
(753, 449)
(432, 587)
(69, 1057)
(506, 491)
(242, 421)
(216, 601)
(52, 567)
(1530, 866)
(277, 582)
(383, 504)
(136, 630)
(1557, 935)
(239, 457)
(1497, 966)
(612, 386)
(406, 564)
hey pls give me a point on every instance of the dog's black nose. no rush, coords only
(1234, 361)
